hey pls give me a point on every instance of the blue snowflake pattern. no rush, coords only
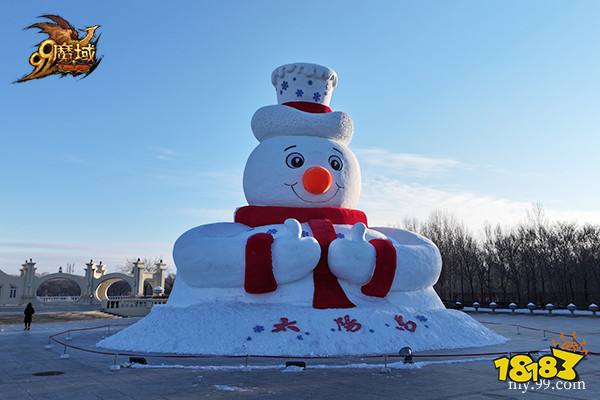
(340, 235)
(421, 318)
(310, 82)
(248, 338)
(258, 328)
(299, 93)
(284, 85)
(305, 234)
(299, 337)
(316, 96)
(272, 231)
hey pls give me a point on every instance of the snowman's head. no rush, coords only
(302, 171)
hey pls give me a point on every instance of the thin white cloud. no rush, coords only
(40, 245)
(209, 214)
(211, 180)
(389, 201)
(50, 256)
(408, 164)
(164, 153)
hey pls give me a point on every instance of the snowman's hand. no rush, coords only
(352, 259)
(294, 257)
(358, 232)
(293, 228)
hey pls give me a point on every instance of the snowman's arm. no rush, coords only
(215, 256)
(418, 260)
(212, 255)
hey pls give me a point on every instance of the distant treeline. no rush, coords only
(536, 261)
(59, 287)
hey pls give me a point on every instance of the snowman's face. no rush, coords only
(302, 171)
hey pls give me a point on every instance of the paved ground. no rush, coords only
(50, 307)
(63, 316)
(87, 376)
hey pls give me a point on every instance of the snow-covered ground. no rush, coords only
(269, 329)
(362, 365)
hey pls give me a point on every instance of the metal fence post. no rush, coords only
(246, 367)
(115, 366)
(64, 355)
(385, 369)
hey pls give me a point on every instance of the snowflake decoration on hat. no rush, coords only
(316, 96)
(299, 93)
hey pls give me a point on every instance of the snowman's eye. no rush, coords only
(294, 160)
(336, 163)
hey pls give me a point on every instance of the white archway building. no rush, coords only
(21, 289)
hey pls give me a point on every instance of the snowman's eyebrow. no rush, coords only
(289, 147)
(338, 150)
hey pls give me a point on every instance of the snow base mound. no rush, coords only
(277, 329)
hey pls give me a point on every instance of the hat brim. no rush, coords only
(281, 120)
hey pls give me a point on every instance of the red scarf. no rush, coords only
(328, 293)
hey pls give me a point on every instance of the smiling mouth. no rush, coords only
(338, 188)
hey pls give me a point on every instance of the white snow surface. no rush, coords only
(392, 365)
(233, 328)
(229, 388)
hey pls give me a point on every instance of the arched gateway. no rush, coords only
(93, 286)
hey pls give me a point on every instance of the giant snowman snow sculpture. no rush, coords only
(299, 272)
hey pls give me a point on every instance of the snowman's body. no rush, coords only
(299, 272)
(214, 256)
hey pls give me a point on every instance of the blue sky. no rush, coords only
(477, 108)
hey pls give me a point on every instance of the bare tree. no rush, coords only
(149, 264)
(537, 260)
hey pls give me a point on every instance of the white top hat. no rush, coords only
(304, 82)
(303, 95)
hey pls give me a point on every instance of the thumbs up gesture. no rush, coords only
(294, 256)
(352, 258)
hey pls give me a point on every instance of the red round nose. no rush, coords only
(317, 180)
